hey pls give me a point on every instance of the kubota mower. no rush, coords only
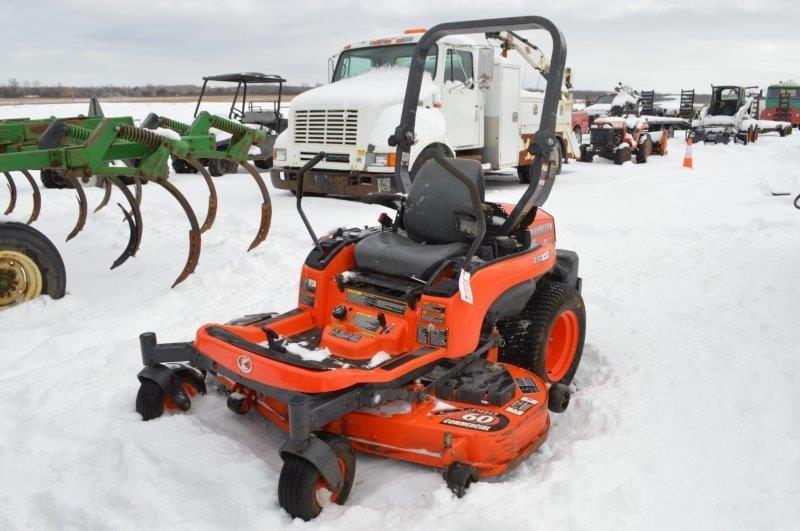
(618, 138)
(440, 337)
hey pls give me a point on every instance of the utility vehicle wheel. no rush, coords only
(459, 477)
(220, 167)
(644, 151)
(558, 398)
(53, 179)
(586, 155)
(424, 156)
(302, 491)
(151, 401)
(578, 134)
(547, 337)
(782, 132)
(264, 164)
(181, 166)
(29, 265)
(622, 155)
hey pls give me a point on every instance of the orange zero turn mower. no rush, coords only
(440, 337)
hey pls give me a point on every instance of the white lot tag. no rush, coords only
(464, 287)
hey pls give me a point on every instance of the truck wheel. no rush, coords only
(425, 155)
(547, 337)
(555, 160)
(53, 179)
(92, 181)
(263, 164)
(30, 265)
(301, 489)
(220, 167)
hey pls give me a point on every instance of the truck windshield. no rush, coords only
(355, 62)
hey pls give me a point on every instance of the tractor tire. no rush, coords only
(622, 155)
(547, 337)
(220, 167)
(578, 134)
(425, 155)
(586, 155)
(181, 166)
(644, 150)
(30, 265)
(300, 484)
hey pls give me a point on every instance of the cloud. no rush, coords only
(667, 44)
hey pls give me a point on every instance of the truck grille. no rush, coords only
(328, 127)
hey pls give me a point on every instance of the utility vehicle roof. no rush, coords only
(246, 77)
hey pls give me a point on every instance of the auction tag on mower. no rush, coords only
(464, 287)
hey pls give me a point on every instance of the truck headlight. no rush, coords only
(384, 159)
(279, 155)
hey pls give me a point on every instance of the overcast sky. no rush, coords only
(661, 44)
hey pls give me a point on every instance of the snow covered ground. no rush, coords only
(686, 412)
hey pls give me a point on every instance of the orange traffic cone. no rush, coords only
(687, 159)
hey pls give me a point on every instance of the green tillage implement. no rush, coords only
(91, 146)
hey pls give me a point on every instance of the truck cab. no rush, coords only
(471, 106)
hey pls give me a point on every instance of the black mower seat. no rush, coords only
(429, 222)
(395, 255)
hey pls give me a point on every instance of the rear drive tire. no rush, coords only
(30, 265)
(301, 486)
(644, 150)
(621, 155)
(547, 337)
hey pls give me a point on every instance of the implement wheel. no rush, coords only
(547, 337)
(303, 492)
(30, 265)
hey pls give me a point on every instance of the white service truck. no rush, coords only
(471, 105)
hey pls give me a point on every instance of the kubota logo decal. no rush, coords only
(245, 363)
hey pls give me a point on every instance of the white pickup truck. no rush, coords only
(471, 106)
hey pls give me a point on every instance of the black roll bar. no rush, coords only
(540, 182)
(301, 178)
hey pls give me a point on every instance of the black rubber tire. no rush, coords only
(264, 164)
(586, 156)
(298, 480)
(424, 156)
(181, 166)
(23, 239)
(620, 156)
(220, 167)
(526, 335)
(558, 398)
(53, 179)
(557, 154)
(578, 134)
(644, 150)
(150, 400)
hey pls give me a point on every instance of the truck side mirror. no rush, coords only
(485, 67)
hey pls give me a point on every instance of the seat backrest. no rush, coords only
(434, 198)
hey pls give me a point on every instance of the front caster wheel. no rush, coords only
(558, 398)
(151, 400)
(303, 492)
(459, 477)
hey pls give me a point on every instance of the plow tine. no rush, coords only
(81, 206)
(106, 195)
(130, 248)
(211, 212)
(135, 212)
(37, 198)
(266, 206)
(137, 189)
(12, 190)
(194, 232)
